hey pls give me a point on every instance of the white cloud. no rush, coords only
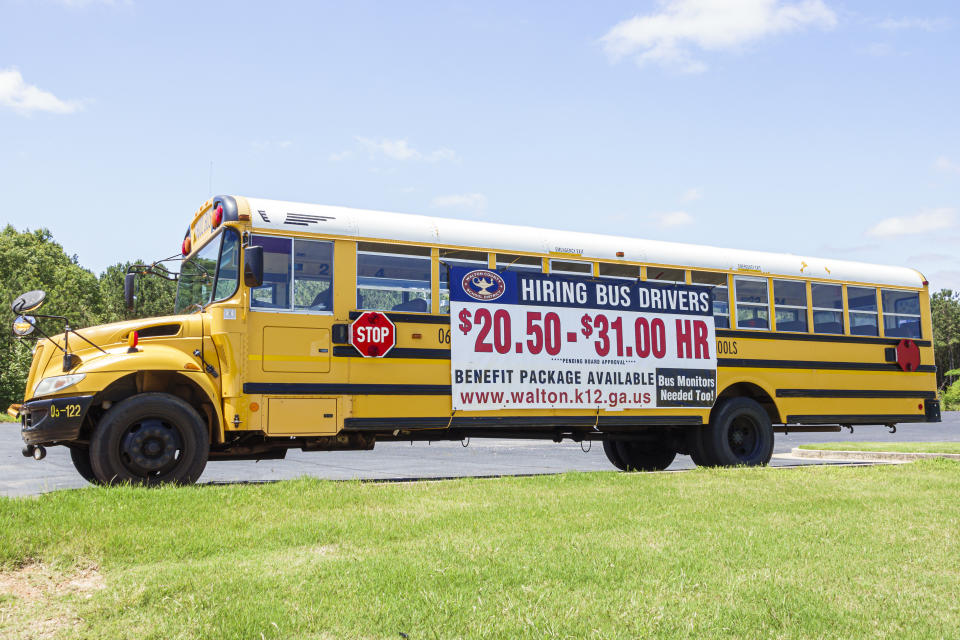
(945, 164)
(339, 156)
(26, 98)
(476, 202)
(673, 219)
(691, 195)
(400, 149)
(922, 222)
(669, 36)
(923, 24)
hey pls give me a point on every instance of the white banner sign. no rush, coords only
(530, 341)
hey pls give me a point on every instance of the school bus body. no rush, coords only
(265, 378)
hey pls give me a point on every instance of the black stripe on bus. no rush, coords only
(854, 393)
(419, 318)
(817, 364)
(815, 337)
(347, 351)
(304, 388)
(888, 418)
(379, 424)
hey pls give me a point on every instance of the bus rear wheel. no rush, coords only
(628, 455)
(739, 433)
(646, 456)
(150, 439)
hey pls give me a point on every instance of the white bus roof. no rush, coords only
(278, 215)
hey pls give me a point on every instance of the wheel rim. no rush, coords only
(150, 447)
(744, 437)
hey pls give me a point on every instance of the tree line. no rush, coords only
(33, 260)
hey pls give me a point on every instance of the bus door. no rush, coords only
(289, 345)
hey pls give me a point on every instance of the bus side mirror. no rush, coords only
(253, 266)
(129, 281)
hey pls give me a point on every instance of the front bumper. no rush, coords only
(53, 420)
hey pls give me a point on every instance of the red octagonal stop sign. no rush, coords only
(373, 334)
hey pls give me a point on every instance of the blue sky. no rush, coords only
(807, 126)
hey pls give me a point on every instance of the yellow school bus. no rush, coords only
(265, 350)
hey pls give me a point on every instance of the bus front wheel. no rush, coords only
(739, 433)
(150, 439)
(81, 462)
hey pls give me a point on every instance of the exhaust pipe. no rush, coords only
(37, 452)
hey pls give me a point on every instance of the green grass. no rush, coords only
(5, 418)
(850, 552)
(898, 447)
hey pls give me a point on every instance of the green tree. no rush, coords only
(155, 296)
(945, 314)
(32, 260)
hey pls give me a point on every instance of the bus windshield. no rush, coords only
(211, 274)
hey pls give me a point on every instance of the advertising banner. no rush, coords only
(524, 340)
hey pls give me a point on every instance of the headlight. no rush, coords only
(56, 383)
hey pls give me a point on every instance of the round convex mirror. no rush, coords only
(28, 301)
(24, 325)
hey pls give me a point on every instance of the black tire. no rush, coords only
(645, 456)
(695, 446)
(740, 433)
(150, 439)
(81, 462)
(613, 454)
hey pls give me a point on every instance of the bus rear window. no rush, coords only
(901, 314)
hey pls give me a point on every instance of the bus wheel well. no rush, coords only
(750, 390)
(172, 382)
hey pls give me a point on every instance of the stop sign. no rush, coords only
(373, 334)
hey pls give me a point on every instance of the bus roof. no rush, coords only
(278, 215)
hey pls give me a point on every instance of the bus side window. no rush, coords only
(721, 299)
(790, 305)
(456, 258)
(275, 291)
(862, 302)
(393, 277)
(901, 314)
(664, 274)
(519, 263)
(620, 271)
(571, 267)
(753, 305)
(312, 275)
(827, 307)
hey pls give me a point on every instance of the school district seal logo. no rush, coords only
(483, 285)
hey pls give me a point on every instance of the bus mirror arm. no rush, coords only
(253, 266)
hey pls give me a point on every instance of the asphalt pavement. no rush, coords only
(420, 460)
